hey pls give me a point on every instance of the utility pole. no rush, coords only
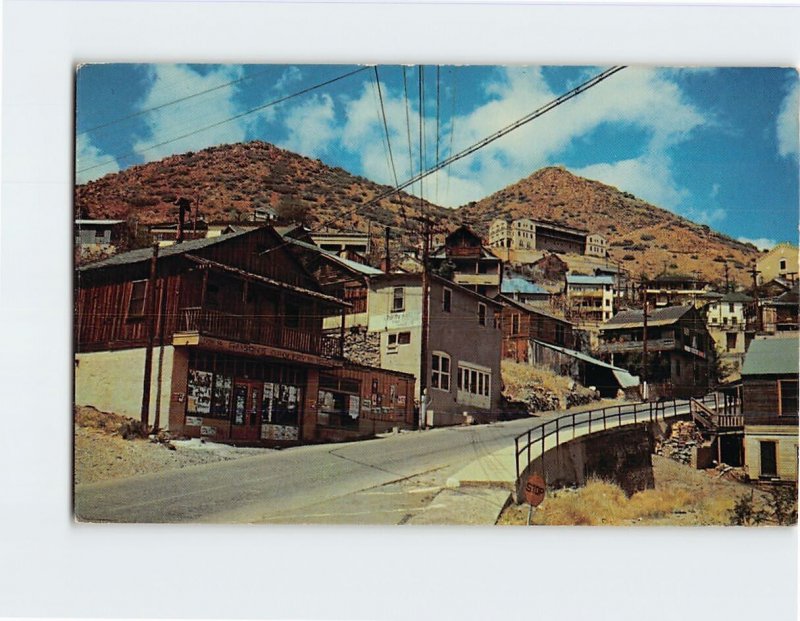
(727, 279)
(388, 260)
(150, 315)
(759, 320)
(423, 363)
(644, 340)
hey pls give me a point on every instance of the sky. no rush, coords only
(716, 145)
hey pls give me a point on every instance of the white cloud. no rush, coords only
(91, 162)
(644, 99)
(786, 125)
(288, 77)
(170, 82)
(311, 126)
(762, 243)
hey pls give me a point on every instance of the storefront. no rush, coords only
(250, 400)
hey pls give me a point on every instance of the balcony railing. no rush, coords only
(259, 330)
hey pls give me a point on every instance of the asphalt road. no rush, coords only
(384, 480)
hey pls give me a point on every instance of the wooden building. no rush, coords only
(471, 265)
(770, 408)
(239, 348)
(521, 323)
(680, 351)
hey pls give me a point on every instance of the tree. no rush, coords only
(290, 210)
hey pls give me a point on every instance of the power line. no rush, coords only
(385, 125)
(174, 101)
(228, 120)
(408, 124)
(500, 133)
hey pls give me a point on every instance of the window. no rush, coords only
(481, 313)
(398, 300)
(138, 297)
(734, 321)
(399, 338)
(447, 296)
(731, 308)
(731, 341)
(440, 371)
(474, 381)
(783, 264)
(788, 393)
(515, 323)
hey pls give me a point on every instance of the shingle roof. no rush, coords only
(624, 377)
(790, 298)
(144, 254)
(772, 356)
(657, 317)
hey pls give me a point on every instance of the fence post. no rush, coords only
(619, 416)
(516, 456)
(573, 425)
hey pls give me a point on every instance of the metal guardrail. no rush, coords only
(650, 411)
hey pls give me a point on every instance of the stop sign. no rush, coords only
(534, 490)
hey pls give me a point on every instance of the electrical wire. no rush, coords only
(385, 125)
(227, 120)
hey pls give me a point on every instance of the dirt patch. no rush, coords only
(682, 496)
(102, 453)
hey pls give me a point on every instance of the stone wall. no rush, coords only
(363, 347)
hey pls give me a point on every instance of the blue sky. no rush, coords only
(717, 145)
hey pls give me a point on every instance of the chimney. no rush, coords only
(183, 204)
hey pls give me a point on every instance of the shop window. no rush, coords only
(440, 371)
(398, 300)
(137, 302)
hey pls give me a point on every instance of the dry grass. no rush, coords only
(517, 377)
(682, 497)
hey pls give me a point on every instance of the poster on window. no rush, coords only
(222, 395)
(267, 401)
(199, 400)
(354, 406)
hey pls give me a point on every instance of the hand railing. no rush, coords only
(594, 421)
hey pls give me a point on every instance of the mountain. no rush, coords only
(643, 238)
(230, 181)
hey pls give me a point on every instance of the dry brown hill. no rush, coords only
(231, 181)
(642, 237)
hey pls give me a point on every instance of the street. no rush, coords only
(380, 481)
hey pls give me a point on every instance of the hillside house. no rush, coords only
(523, 324)
(471, 265)
(672, 289)
(523, 290)
(464, 339)
(780, 314)
(239, 350)
(596, 245)
(93, 237)
(680, 351)
(591, 298)
(780, 262)
(342, 243)
(770, 408)
(727, 322)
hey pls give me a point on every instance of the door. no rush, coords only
(769, 462)
(246, 417)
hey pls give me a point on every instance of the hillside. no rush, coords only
(231, 181)
(643, 237)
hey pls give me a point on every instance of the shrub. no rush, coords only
(647, 237)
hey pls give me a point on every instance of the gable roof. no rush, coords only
(635, 318)
(144, 254)
(532, 309)
(624, 377)
(353, 266)
(772, 356)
